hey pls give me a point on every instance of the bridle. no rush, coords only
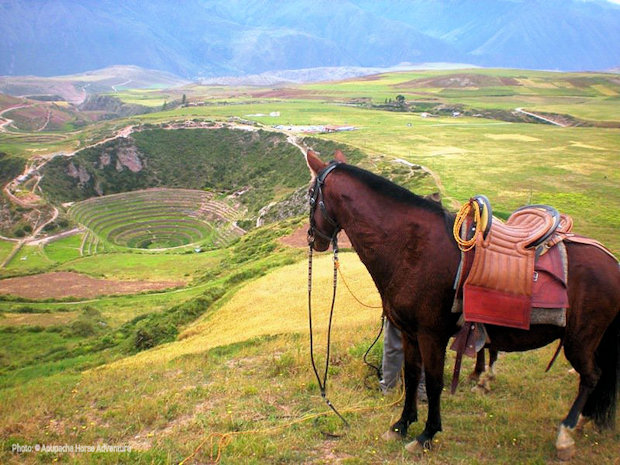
(317, 199)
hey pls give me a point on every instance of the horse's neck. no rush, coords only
(383, 233)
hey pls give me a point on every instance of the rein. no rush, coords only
(317, 200)
(322, 381)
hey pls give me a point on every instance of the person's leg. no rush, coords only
(392, 363)
(422, 397)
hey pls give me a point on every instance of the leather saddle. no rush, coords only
(498, 288)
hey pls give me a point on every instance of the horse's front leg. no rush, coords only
(433, 351)
(413, 368)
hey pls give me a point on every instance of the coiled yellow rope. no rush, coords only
(467, 244)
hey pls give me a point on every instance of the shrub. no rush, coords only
(158, 328)
(82, 328)
(151, 335)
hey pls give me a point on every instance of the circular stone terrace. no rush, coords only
(159, 219)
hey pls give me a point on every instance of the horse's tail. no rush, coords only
(601, 404)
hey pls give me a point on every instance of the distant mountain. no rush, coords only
(207, 38)
(331, 73)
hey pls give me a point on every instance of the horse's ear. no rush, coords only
(339, 156)
(435, 197)
(314, 162)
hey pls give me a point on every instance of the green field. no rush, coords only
(228, 352)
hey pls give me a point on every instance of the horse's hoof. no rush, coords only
(565, 444)
(416, 446)
(566, 453)
(479, 389)
(390, 435)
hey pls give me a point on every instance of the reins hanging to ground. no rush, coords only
(323, 381)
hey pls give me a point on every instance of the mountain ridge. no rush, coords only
(212, 38)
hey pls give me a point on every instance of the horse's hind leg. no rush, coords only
(479, 367)
(593, 349)
(565, 444)
(484, 378)
(582, 357)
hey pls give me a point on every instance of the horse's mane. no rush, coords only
(393, 191)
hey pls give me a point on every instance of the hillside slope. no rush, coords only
(242, 374)
(253, 163)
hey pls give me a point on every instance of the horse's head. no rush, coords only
(324, 226)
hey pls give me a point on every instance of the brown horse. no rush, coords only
(406, 243)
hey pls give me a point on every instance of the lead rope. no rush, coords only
(323, 382)
(370, 365)
(467, 244)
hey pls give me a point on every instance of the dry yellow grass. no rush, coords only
(277, 304)
(515, 137)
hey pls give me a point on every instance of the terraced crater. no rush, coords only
(158, 219)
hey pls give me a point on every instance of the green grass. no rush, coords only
(30, 259)
(5, 249)
(65, 249)
(145, 266)
(261, 391)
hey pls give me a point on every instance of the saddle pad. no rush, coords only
(549, 289)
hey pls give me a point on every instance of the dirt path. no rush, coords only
(47, 121)
(55, 237)
(299, 239)
(18, 245)
(7, 122)
(540, 117)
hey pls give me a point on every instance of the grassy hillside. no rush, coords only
(216, 159)
(104, 328)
